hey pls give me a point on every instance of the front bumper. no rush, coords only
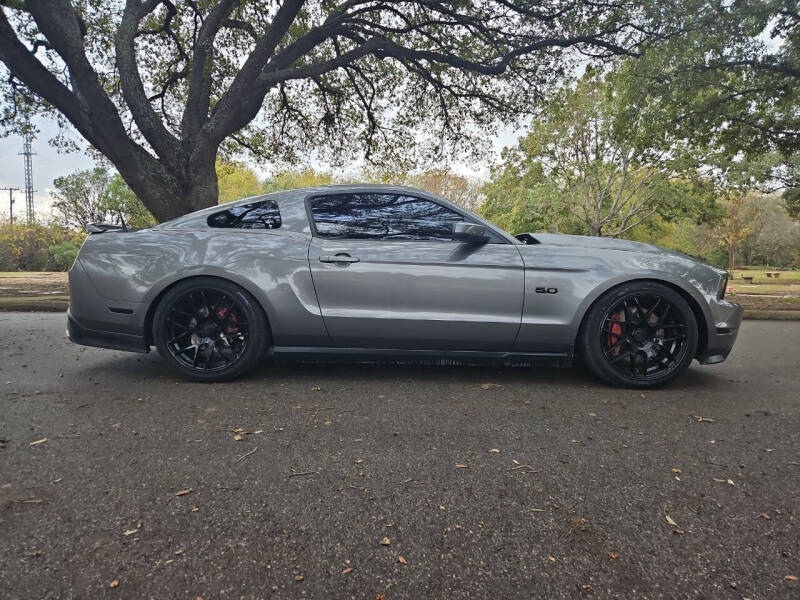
(80, 334)
(726, 318)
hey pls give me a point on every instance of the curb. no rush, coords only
(772, 315)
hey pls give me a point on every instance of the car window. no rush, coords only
(382, 216)
(258, 215)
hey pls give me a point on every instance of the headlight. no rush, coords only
(723, 285)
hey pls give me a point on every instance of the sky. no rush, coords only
(50, 163)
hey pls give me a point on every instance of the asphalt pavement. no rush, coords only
(368, 481)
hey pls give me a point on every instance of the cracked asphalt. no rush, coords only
(488, 482)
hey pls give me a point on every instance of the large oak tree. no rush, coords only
(160, 87)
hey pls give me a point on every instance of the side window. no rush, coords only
(382, 217)
(258, 215)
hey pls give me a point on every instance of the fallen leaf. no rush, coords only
(196, 509)
(462, 466)
(486, 386)
(730, 482)
(299, 577)
(718, 480)
(494, 450)
(238, 437)
(37, 442)
(385, 541)
(765, 516)
(347, 570)
(586, 588)
(327, 422)
(402, 560)
(184, 492)
(380, 596)
(670, 521)
(114, 584)
(552, 559)
(676, 470)
(613, 555)
(179, 552)
(790, 578)
(678, 531)
(239, 430)
(703, 419)
(128, 532)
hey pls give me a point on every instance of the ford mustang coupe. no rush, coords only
(375, 273)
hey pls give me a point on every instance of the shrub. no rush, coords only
(62, 256)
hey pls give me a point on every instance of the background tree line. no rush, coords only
(673, 122)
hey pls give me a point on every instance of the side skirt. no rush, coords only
(383, 355)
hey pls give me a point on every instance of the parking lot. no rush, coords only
(370, 481)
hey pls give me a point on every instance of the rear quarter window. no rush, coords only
(263, 214)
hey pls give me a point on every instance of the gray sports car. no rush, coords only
(373, 273)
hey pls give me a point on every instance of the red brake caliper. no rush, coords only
(616, 332)
(232, 326)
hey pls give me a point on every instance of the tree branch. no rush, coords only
(162, 141)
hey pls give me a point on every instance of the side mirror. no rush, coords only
(470, 232)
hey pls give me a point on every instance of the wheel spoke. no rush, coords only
(615, 345)
(621, 356)
(179, 336)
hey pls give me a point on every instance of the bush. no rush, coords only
(37, 247)
(62, 256)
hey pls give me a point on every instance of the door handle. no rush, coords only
(339, 258)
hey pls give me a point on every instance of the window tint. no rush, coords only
(258, 215)
(382, 216)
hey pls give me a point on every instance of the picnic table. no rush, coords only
(775, 274)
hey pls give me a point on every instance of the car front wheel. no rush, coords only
(640, 334)
(209, 329)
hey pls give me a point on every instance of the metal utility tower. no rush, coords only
(10, 191)
(28, 153)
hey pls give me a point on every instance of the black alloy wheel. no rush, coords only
(209, 329)
(640, 335)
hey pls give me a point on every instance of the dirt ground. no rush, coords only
(33, 291)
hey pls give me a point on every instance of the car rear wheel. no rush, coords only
(640, 335)
(209, 329)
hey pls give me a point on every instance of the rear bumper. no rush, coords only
(722, 331)
(84, 336)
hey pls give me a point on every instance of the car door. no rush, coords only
(388, 274)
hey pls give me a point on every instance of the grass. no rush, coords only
(31, 273)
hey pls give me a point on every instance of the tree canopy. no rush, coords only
(162, 87)
(591, 164)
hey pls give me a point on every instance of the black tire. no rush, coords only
(210, 329)
(639, 335)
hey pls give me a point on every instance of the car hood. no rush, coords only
(604, 243)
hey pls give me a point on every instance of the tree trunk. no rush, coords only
(170, 191)
(731, 257)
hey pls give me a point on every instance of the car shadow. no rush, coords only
(150, 367)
